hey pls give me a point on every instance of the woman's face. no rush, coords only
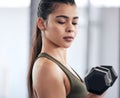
(61, 26)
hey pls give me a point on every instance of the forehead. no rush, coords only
(65, 9)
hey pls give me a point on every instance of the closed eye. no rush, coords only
(61, 22)
(74, 23)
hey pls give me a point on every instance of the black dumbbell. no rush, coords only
(100, 78)
(108, 72)
(113, 73)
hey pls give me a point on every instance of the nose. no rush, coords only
(70, 27)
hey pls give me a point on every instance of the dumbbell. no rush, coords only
(113, 73)
(100, 78)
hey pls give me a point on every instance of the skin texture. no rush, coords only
(58, 33)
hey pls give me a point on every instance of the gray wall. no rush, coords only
(14, 42)
(110, 44)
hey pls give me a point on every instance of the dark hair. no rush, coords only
(45, 8)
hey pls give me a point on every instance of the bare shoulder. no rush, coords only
(48, 79)
(44, 68)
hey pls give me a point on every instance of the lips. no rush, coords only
(68, 38)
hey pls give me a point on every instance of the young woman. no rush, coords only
(49, 74)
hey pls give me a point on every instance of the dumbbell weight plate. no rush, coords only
(96, 81)
(108, 74)
(113, 73)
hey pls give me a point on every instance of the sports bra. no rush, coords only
(77, 86)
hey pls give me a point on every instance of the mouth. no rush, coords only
(68, 38)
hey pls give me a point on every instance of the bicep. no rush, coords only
(51, 89)
(49, 84)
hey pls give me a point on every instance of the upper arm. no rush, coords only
(48, 82)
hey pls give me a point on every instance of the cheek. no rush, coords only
(55, 29)
(76, 32)
(53, 32)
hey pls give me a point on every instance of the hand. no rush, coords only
(91, 95)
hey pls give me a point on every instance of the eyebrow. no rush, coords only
(63, 16)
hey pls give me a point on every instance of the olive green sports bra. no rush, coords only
(77, 86)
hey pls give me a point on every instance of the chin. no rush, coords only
(67, 46)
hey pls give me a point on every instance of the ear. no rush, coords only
(41, 24)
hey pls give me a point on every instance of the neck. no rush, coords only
(55, 51)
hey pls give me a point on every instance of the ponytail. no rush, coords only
(35, 50)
